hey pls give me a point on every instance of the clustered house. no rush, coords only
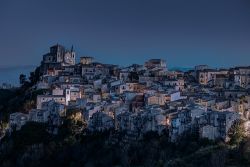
(139, 98)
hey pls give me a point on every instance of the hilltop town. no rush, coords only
(132, 101)
(139, 98)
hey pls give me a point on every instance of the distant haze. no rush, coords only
(10, 75)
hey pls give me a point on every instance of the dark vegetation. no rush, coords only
(20, 99)
(34, 146)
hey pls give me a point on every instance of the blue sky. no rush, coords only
(185, 33)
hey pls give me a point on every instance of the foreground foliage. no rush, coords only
(33, 146)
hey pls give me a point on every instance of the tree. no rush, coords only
(32, 77)
(237, 133)
(22, 79)
(133, 76)
(246, 151)
(28, 105)
(35, 76)
(31, 133)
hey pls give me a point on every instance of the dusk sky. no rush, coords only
(183, 32)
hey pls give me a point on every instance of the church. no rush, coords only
(57, 58)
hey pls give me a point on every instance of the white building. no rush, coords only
(18, 119)
(45, 98)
